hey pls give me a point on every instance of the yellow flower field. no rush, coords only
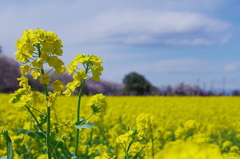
(168, 127)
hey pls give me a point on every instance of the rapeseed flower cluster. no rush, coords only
(146, 122)
(91, 63)
(100, 100)
(47, 42)
(215, 130)
(35, 49)
(123, 139)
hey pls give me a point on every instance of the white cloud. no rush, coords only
(146, 27)
(232, 67)
(114, 30)
(78, 22)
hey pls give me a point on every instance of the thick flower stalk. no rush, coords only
(91, 65)
(35, 50)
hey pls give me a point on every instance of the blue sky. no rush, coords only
(167, 41)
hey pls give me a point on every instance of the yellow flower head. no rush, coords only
(52, 99)
(91, 62)
(80, 75)
(24, 69)
(23, 81)
(100, 100)
(44, 79)
(146, 122)
(191, 125)
(71, 86)
(45, 41)
(58, 85)
(35, 73)
(124, 138)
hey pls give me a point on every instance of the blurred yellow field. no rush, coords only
(171, 127)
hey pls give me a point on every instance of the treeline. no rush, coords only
(136, 84)
(9, 72)
(133, 84)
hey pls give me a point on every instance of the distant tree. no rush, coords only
(9, 72)
(134, 82)
(0, 49)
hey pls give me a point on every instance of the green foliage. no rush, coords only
(137, 83)
(83, 124)
(9, 144)
(41, 135)
(137, 154)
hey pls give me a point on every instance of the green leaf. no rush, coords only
(3, 157)
(82, 124)
(85, 125)
(33, 134)
(62, 146)
(95, 108)
(43, 119)
(9, 145)
(40, 135)
(23, 151)
(137, 154)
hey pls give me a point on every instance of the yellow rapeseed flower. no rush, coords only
(92, 62)
(80, 75)
(44, 79)
(38, 63)
(23, 81)
(52, 99)
(71, 86)
(58, 85)
(100, 100)
(24, 69)
(35, 73)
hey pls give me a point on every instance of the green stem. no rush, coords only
(48, 109)
(48, 123)
(61, 126)
(34, 117)
(125, 150)
(78, 116)
(130, 144)
(78, 110)
(87, 118)
(36, 109)
(48, 132)
(54, 152)
(128, 148)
